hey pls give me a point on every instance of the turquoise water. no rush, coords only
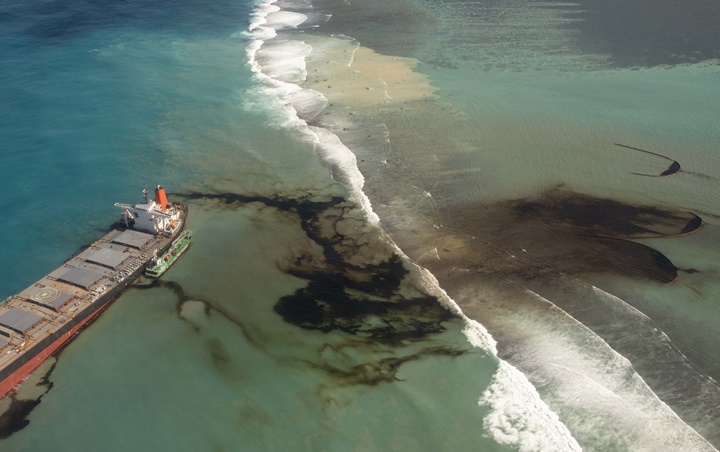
(289, 323)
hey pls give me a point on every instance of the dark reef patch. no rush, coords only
(645, 34)
(54, 22)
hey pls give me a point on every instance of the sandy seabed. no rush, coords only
(361, 77)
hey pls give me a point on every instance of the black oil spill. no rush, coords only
(359, 299)
(330, 291)
(563, 232)
(636, 259)
(692, 226)
(279, 202)
(362, 301)
(15, 418)
(219, 355)
(308, 212)
(384, 370)
(333, 302)
(374, 312)
(590, 215)
(696, 174)
(674, 169)
(174, 286)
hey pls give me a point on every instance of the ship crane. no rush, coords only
(158, 213)
(127, 217)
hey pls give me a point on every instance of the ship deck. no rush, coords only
(55, 300)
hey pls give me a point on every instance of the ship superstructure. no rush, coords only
(151, 216)
(37, 321)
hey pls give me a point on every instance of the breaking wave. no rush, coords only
(584, 375)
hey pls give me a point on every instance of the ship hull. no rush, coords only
(15, 373)
(155, 272)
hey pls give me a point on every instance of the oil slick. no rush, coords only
(370, 302)
(22, 402)
(561, 232)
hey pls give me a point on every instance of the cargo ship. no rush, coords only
(39, 320)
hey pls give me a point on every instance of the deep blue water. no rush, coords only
(83, 86)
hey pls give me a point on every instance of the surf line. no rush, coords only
(671, 171)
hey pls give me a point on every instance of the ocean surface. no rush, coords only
(417, 224)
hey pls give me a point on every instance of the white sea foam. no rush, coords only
(599, 388)
(519, 416)
(284, 61)
(619, 301)
(259, 17)
(281, 67)
(308, 103)
(297, 4)
(477, 335)
(343, 167)
(527, 421)
(284, 20)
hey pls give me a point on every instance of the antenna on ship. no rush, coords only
(145, 195)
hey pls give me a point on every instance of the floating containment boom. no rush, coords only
(672, 170)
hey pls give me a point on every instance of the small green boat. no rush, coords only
(159, 264)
